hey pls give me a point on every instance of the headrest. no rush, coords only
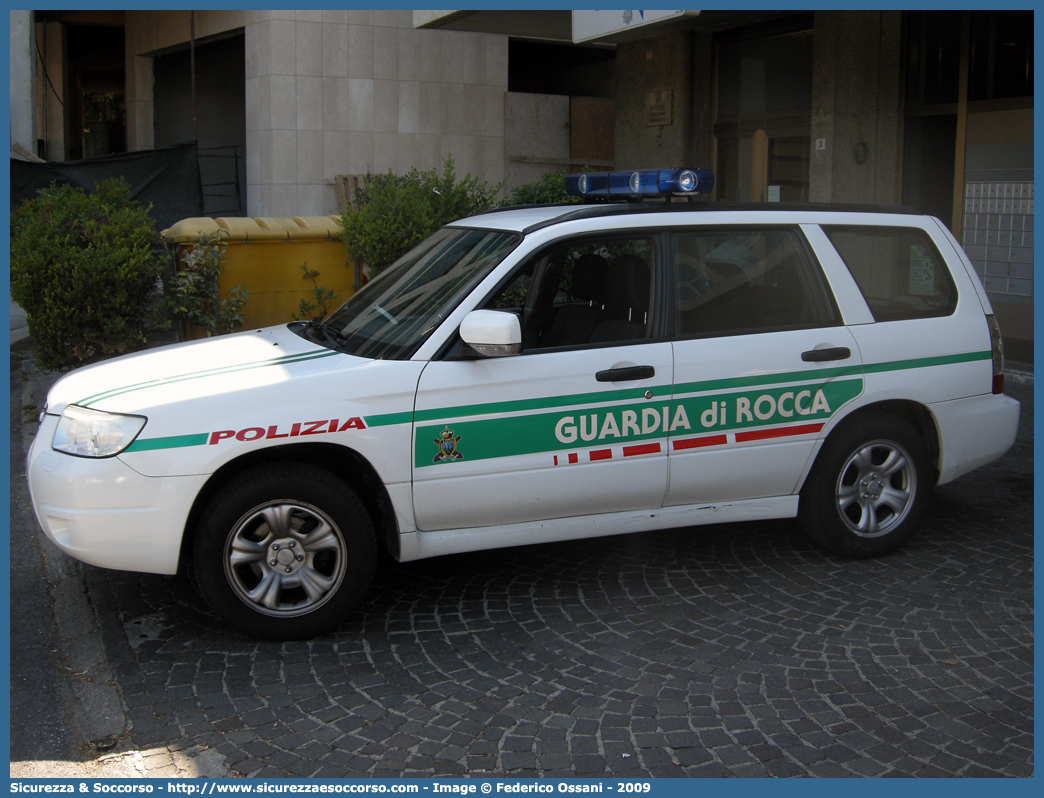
(590, 274)
(629, 283)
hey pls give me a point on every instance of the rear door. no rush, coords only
(762, 362)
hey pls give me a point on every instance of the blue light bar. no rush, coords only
(640, 183)
(590, 184)
(686, 181)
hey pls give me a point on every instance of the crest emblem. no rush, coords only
(447, 444)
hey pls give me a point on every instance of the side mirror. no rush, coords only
(492, 333)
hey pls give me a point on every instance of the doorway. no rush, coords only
(764, 100)
(220, 116)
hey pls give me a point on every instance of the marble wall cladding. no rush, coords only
(340, 92)
(349, 92)
(998, 237)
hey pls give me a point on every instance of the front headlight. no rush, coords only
(92, 433)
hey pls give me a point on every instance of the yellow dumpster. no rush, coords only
(263, 255)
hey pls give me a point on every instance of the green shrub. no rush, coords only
(397, 212)
(195, 297)
(84, 267)
(322, 297)
(548, 190)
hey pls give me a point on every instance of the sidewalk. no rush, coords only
(19, 328)
(90, 694)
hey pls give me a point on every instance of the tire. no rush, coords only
(284, 551)
(868, 488)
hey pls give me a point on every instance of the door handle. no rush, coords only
(625, 374)
(820, 355)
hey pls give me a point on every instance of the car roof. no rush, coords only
(527, 219)
(519, 218)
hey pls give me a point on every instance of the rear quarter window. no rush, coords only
(898, 269)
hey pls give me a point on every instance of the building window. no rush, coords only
(933, 57)
(1001, 55)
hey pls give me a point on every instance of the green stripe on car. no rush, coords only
(172, 442)
(198, 375)
(574, 401)
(575, 428)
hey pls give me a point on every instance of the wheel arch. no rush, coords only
(345, 463)
(851, 507)
(914, 413)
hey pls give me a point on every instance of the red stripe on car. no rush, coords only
(642, 448)
(777, 432)
(695, 443)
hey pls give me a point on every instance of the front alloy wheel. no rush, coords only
(284, 551)
(285, 560)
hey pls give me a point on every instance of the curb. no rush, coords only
(99, 715)
(97, 708)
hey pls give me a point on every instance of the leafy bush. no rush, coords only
(195, 296)
(548, 190)
(84, 267)
(397, 212)
(322, 297)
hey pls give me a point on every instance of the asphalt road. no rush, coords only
(735, 650)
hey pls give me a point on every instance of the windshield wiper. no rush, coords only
(317, 328)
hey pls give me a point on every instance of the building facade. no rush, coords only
(930, 109)
(298, 97)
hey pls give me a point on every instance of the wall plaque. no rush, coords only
(658, 108)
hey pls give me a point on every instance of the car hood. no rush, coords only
(183, 372)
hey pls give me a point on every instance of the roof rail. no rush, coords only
(623, 208)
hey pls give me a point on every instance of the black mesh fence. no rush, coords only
(167, 179)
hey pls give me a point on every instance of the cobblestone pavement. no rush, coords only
(734, 650)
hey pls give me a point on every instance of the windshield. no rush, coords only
(394, 314)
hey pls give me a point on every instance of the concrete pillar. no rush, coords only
(856, 107)
(54, 91)
(703, 111)
(23, 110)
(140, 103)
(646, 71)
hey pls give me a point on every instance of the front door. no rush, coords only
(575, 425)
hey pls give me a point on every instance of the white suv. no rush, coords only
(534, 375)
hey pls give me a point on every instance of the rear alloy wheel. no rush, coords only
(285, 551)
(868, 488)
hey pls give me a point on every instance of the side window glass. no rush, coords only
(513, 295)
(735, 281)
(899, 270)
(583, 292)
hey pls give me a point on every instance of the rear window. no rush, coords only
(733, 281)
(899, 270)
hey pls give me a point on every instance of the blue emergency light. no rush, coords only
(640, 183)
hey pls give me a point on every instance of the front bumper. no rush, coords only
(103, 512)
